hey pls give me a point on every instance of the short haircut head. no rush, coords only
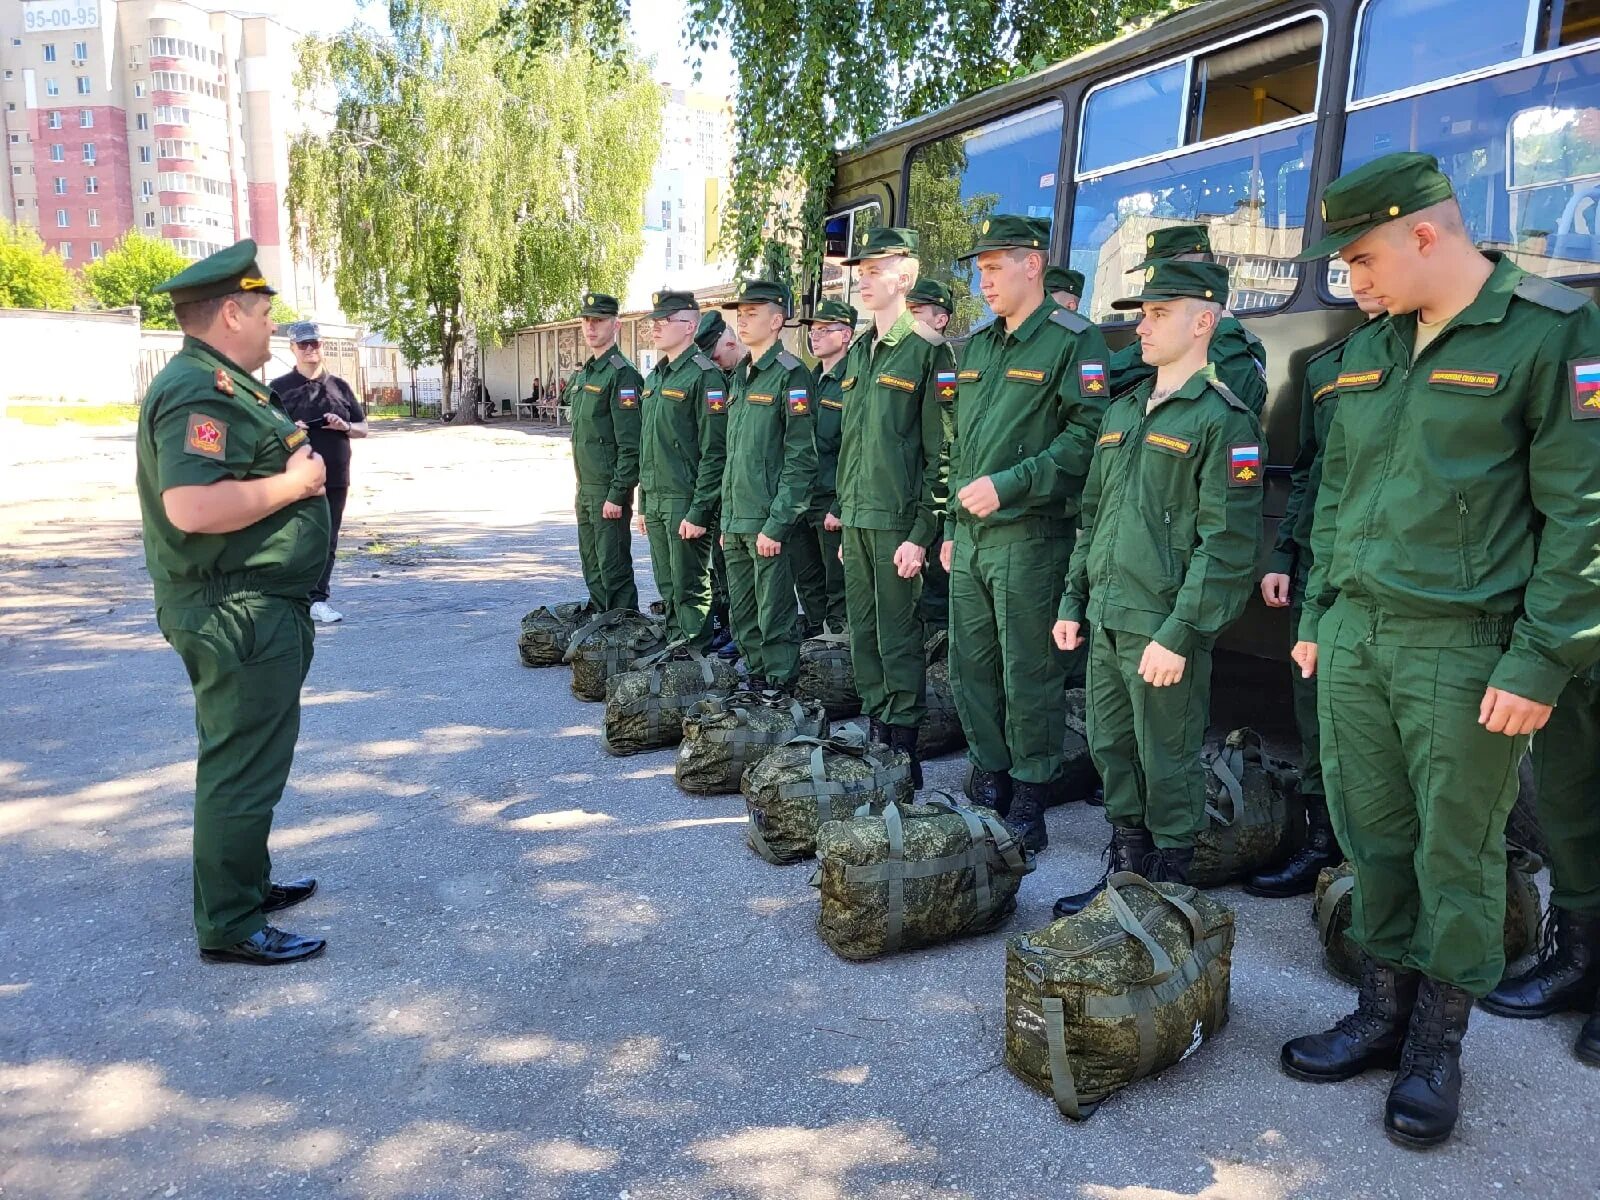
(197, 316)
(1445, 216)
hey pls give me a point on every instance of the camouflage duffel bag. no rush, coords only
(608, 645)
(940, 732)
(1247, 810)
(645, 707)
(827, 675)
(724, 735)
(795, 788)
(912, 875)
(1126, 988)
(1078, 778)
(546, 632)
(1343, 956)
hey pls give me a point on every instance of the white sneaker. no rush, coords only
(324, 613)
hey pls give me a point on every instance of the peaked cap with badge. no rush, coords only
(934, 292)
(1172, 241)
(762, 291)
(1007, 231)
(598, 304)
(710, 330)
(1170, 279)
(665, 303)
(832, 312)
(225, 273)
(885, 241)
(1064, 279)
(1374, 194)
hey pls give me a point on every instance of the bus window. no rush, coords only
(1258, 82)
(1404, 43)
(1006, 166)
(839, 233)
(1570, 22)
(1133, 119)
(1523, 151)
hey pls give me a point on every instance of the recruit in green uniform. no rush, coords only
(1065, 287)
(1171, 521)
(932, 303)
(236, 534)
(766, 486)
(683, 424)
(818, 573)
(899, 381)
(1032, 392)
(716, 341)
(1284, 585)
(604, 394)
(1451, 599)
(1238, 355)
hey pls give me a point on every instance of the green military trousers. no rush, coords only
(1146, 741)
(886, 650)
(761, 609)
(1419, 792)
(682, 570)
(818, 573)
(1566, 771)
(1008, 682)
(246, 659)
(1303, 692)
(719, 582)
(606, 549)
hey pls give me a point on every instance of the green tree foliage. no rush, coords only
(126, 274)
(946, 222)
(31, 275)
(816, 75)
(284, 313)
(474, 178)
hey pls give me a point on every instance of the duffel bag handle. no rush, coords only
(1006, 843)
(678, 650)
(831, 639)
(605, 620)
(1227, 765)
(1134, 928)
(938, 647)
(1329, 905)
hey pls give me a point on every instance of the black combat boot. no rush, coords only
(1096, 798)
(1298, 876)
(1168, 865)
(1026, 818)
(1369, 1037)
(992, 789)
(1426, 1097)
(1588, 1047)
(904, 737)
(1565, 977)
(1127, 852)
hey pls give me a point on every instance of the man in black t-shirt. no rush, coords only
(326, 405)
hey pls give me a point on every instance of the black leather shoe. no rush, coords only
(1566, 976)
(1372, 1036)
(721, 639)
(1096, 798)
(1588, 1047)
(992, 789)
(1127, 852)
(286, 895)
(730, 651)
(1426, 1097)
(269, 947)
(904, 737)
(1026, 818)
(1168, 865)
(1298, 876)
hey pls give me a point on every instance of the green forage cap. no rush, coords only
(832, 312)
(598, 304)
(1172, 280)
(884, 242)
(1172, 241)
(931, 291)
(710, 330)
(665, 303)
(1006, 231)
(1061, 279)
(761, 291)
(1356, 203)
(222, 274)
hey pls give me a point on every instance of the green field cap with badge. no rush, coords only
(225, 273)
(1063, 279)
(1374, 194)
(761, 291)
(831, 312)
(710, 330)
(1173, 280)
(1172, 241)
(665, 303)
(598, 304)
(1007, 231)
(886, 241)
(931, 291)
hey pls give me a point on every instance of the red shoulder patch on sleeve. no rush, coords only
(206, 436)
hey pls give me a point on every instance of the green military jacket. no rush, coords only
(206, 419)
(1460, 493)
(772, 451)
(1171, 516)
(1028, 407)
(830, 430)
(683, 436)
(604, 395)
(897, 394)
(1237, 354)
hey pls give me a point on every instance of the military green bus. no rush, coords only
(1235, 114)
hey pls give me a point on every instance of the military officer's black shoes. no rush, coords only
(1566, 976)
(1426, 1097)
(285, 895)
(269, 947)
(904, 737)
(1372, 1036)
(1127, 852)
(1026, 818)
(1298, 876)
(992, 789)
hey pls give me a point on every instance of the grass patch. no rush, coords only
(73, 414)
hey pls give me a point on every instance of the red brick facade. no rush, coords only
(110, 206)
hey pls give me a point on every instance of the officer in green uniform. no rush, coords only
(1284, 586)
(818, 573)
(1032, 393)
(236, 532)
(1451, 599)
(716, 341)
(1238, 355)
(932, 303)
(604, 394)
(899, 382)
(1171, 521)
(1566, 770)
(766, 486)
(681, 455)
(1065, 287)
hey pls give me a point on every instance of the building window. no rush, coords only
(11, 74)
(83, 85)
(52, 88)
(61, 217)
(91, 185)
(80, 49)
(58, 153)
(144, 154)
(94, 250)
(49, 51)
(88, 152)
(146, 191)
(16, 139)
(142, 122)
(16, 170)
(66, 249)
(150, 220)
(53, 119)
(138, 89)
(94, 218)
(86, 119)
(61, 186)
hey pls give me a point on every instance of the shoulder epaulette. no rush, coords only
(1226, 393)
(787, 361)
(928, 334)
(704, 362)
(1070, 321)
(616, 360)
(1547, 293)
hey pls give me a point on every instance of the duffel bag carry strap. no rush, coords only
(937, 648)
(1328, 906)
(1227, 764)
(678, 651)
(606, 620)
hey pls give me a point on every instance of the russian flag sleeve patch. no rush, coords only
(1244, 465)
(1091, 378)
(1585, 389)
